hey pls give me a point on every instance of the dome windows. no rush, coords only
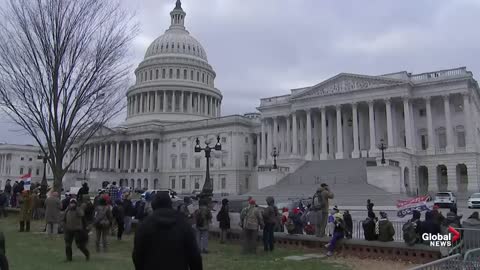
(184, 74)
(178, 73)
(156, 74)
(163, 73)
(170, 74)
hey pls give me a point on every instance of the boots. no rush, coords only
(22, 226)
(69, 253)
(27, 229)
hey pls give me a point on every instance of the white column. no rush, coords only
(95, 157)
(448, 124)
(117, 156)
(339, 154)
(408, 124)
(142, 108)
(132, 157)
(164, 101)
(125, 165)
(198, 104)
(112, 156)
(294, 135)
(431, 139)
(159, 155)
(151, 165)
(144, 157)
(468, 125)
(174, 103)
(263, 144)
(275, 132)
(259, 150)
(356, 146)
(157, 101)
(182, 97)
(134, 104)
(269, 142)
(105, 156)
(137, 165)
(147, 109)
(371, 118)
(388, 109)
(309, 154)
(190, 102)
(324, 154)
(219, 108)
(288, 143)
(205, 105)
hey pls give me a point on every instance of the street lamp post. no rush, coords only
(274, 155)
(382, 146)
(207, 190)
(44, 183)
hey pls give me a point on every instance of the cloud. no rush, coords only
(264, 48)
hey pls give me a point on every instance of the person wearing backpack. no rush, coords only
(385, 228)
(203, 218)
(270, 218)
(320, 208)
(250, 220)
(74, 230)
(102, 223)
(411, 230)
(223, 218)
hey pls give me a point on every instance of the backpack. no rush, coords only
(199, 219)
(317, 201)
(101, 218)
(409, 233)
(290, 225)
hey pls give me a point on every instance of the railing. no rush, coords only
(470, 239)
(358, 232)
(448, 263)
(274, 100)
(269, 168)
(439, 74)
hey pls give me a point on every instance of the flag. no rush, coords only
(406, 207)
(26, 178)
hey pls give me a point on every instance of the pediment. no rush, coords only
(344, 83)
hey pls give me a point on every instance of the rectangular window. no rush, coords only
(174, 144)
(184, 163)
(37, 172)
(29, 170)
(442, 140)
(184, 144)
(170, 73)
(163, 73)
(21, 171)
(178, 73)
(197, 163)
(203, 77)
(461, 138)
(151, 75)
(29, 159)
(224, 139)
(172, 183)
(174, 162)
(246, 139)
(223, 183)
(207, 78)
(246, 161)
(422, 112)
(156, 74)
(191, 75)
(22, 158)
(198, 76)
(184, 183)
(184, 74)
(197, 183)
(424, 142)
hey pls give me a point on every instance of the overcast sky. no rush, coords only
(262, 48)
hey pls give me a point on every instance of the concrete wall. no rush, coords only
(385, 177)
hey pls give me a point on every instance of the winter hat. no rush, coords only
(161, 200)
(252, 202)
(224, 201)
(338, 216)
(73, 201)
(371, 214)
(383, 215)
(296, 211)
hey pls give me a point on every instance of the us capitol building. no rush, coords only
(428, 122)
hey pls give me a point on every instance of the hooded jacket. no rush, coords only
(164, 240)
(325, 194)
(386, 230)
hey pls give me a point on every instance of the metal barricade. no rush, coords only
(454, 262)
(470, 239)
(358, 232)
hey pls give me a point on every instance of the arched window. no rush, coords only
(191, 75)
(198, 76)
(442, 138)
(184, 74)
(151, 75)
(178, 73)
(423, 138)
(170, 73)
(203, 77)
(163, 73)
(156, 74)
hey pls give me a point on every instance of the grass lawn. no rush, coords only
(34, 251)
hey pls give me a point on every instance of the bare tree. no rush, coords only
(63, 71)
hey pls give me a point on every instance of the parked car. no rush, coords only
(445, 199)
(171, 192)
(474, 200)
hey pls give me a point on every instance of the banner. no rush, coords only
(406, 207)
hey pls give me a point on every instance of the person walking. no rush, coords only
(3, 257)
(26, 204)
(184, 209)
(102, 223)
(118, 213)
(270, 218)
(164, 240)
(74, 230)
(320, 208)
(251, 220)
(8, 191)
(53, 206)
(384, 228)
(338, 233)
(203, 218)
(223, 218)
(3, 204)
(129, 212)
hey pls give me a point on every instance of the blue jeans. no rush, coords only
(202, 240)
(336, 236)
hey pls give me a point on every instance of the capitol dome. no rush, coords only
(174, 82)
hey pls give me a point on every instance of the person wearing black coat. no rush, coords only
(347, 218)
(430, 225)
(369, 227)
(164, 240)
(3, 257)
(223, 218)
(82, 191)
(118, 213)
